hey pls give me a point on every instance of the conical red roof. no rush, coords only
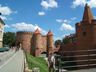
(37, 31)
(50, 32)
(87, 14)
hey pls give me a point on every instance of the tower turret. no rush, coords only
(86, 35)
(87, 14)
(37, 38)
(50, 42)
(84, 30)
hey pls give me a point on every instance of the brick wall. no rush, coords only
(34, 43)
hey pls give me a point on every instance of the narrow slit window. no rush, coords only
(84, 33)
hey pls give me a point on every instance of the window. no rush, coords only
(84, 33)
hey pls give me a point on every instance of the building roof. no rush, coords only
(2, 21)
(37, 31)
(87, 14)
(50, 32)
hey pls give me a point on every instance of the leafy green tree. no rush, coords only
(67, 40)
(58, 42)
(9, 39)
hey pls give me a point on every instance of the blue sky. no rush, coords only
(60, 16)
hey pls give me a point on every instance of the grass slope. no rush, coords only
(36, 62)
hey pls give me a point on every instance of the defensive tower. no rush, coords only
(86, 30)
(38, 42)
(50, 42)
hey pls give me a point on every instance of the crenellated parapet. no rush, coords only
(24, 32)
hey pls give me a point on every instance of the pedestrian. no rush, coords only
(51, 62)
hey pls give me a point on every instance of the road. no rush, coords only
(85, 70)
(14, 63)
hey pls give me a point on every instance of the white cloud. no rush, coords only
(66, 20)
(59, 20)
(78, 2)
(3, 17)
(73, 18)
(6, 26)
(61, 37)
(49, 4)
(5, 10)
(27, 27)
(41, 13)
(66, 27)
(91, 3)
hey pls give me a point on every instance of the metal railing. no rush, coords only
(77, 61)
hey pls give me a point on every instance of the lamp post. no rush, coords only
(0, 13)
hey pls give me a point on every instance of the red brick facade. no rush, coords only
(35, 43)
(85, 37)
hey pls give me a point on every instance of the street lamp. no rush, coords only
(0, 13)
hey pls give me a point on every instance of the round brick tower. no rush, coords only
(50, 42)
(23, 40)
(37, 38)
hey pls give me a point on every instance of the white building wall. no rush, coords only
(1, 34)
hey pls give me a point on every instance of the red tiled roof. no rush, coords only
(87, 16)
(37, 31)
(50, 32)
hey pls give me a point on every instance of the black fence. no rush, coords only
(72, 60)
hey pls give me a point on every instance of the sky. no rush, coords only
(59, 16)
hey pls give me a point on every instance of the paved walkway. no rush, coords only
(14, 64)
(4, 56)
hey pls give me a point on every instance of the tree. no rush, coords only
(9, 39)
(58, 42)
(67, 40)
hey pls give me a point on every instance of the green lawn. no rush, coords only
(36, 62)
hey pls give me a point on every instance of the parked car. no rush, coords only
(3, 49)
